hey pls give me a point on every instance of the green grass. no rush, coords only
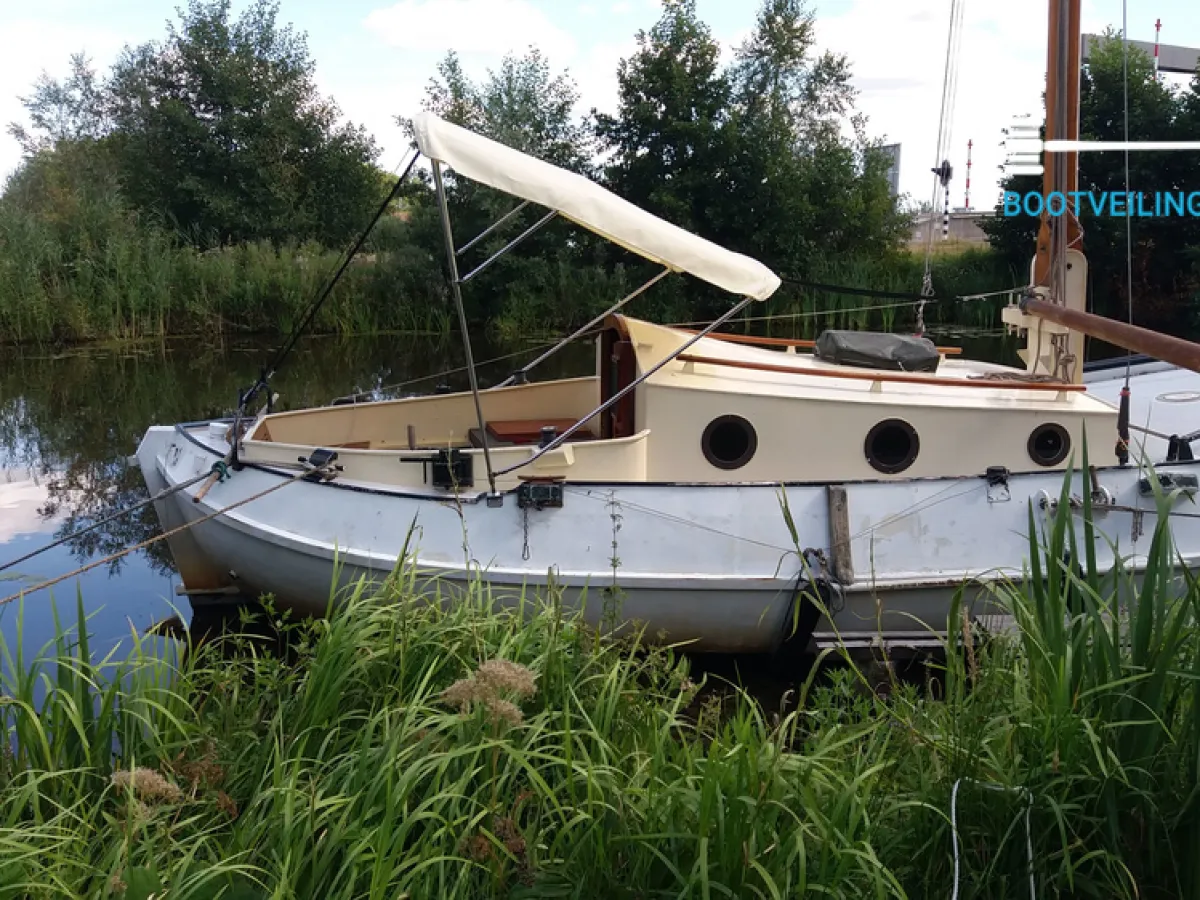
(475, 750)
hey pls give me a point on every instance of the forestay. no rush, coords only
(592, 206)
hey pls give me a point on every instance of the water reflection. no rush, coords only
(70, 421)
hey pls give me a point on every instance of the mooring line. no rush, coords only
(161, 495)
(154, 540)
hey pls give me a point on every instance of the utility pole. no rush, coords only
(1157, 29)
(967, 198)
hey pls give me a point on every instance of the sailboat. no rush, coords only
(724, 492)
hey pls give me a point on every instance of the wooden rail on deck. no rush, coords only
(895, 377)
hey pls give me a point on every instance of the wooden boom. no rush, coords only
(1132, 337)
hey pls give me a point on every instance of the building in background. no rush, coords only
(964, 227)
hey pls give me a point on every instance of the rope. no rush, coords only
(154, 540)
(161, 495)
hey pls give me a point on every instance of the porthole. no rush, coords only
(892, 446)
(729, 442)
(1049, 444)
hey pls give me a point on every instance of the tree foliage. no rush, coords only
(218, 130)
(763, 156)
(216, 135)
(552, 274)
(1166, 276)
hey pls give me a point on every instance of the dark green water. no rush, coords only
(69, 420)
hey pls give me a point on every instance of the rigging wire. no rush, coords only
(945, 126)
(942, 171)
(162, 536)
(915, 300)
(282, 353)
(1123, 413)
(861, 292)
(454, 371)
(780, 317)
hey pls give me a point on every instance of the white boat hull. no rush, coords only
(713, 566)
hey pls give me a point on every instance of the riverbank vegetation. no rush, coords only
(398, 749)
(105, 233)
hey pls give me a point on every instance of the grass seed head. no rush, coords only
(147, 785)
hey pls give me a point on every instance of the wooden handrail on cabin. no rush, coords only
(895, 377)
(787, 342)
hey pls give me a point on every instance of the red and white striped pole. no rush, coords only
(1157, 29)
(967, 198)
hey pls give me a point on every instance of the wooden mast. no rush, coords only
(1059, 270)
(1061, 171)
(1059, 267)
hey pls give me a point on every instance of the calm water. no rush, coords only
(69, 420)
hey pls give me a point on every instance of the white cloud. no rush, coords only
(1000, 73)
(622, 8)
(20, 499)
(596, 75)
(489, 27)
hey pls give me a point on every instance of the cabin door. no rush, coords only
(618, 370)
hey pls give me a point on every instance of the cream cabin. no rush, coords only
(723, 411)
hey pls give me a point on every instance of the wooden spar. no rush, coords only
(1169, 349)
(1061, 234)
(1060, 170)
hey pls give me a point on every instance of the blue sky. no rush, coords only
(376, 56)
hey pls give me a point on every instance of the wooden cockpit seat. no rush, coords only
(475, 436)
(516, 432)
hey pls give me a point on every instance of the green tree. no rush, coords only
(522, 105)
(222, 131)
(671, 135)
(519, 104)
(754, 157)
(219, 131)
(1164, 249)
(60, 111)
(793, 109)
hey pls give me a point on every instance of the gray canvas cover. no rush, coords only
(875, 350)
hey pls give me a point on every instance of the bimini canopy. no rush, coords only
(588, 204)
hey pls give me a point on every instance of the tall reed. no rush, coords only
(496, 746)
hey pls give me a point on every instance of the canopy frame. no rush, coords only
(654, 239)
